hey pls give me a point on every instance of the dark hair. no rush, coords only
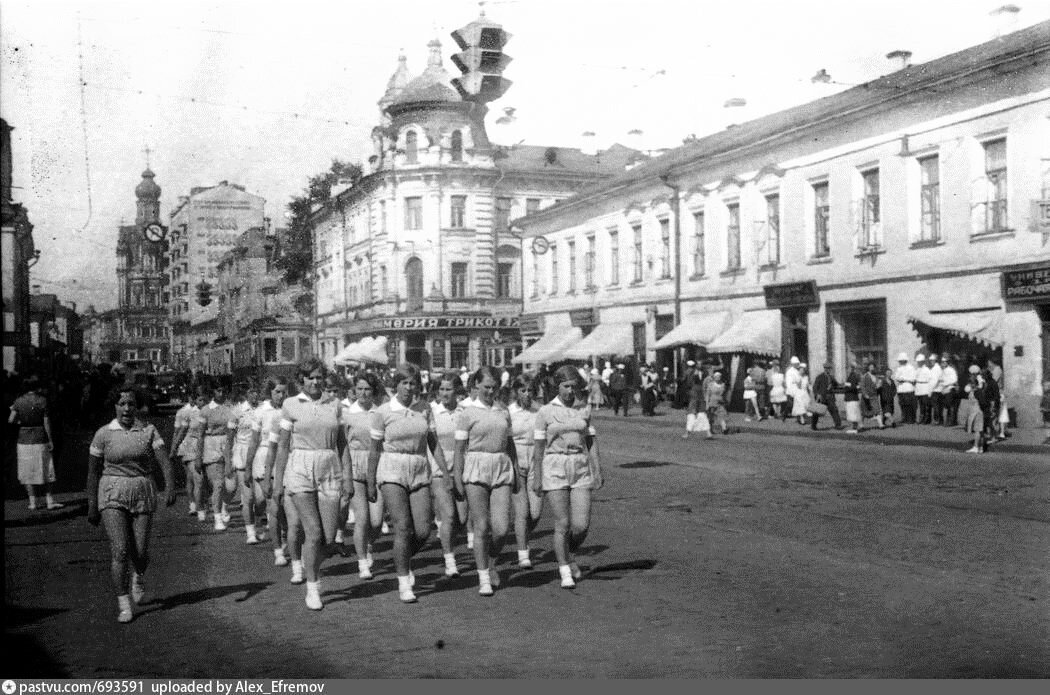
(484, 371)
(118, 391)
(452, 377)
(309, 366)
(203, 391)
(274, 382)
(406, 371)
(567, 372)
(32, 383)
(522, 380)
(373, 381)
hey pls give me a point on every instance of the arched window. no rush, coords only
(414, 282)
(457, 146)
(411, 147)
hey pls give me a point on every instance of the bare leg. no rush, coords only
(580, 518)
(559, 502)
(499, 520)
(363, 528)
(478, 497)
(446, 511)
(295, 529)
(306, 506)
(395, 498)
(214, 472)
(244, 483)
(117, 523)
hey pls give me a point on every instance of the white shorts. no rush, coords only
(410, 471)
(488, 469)
(313, 470)
(435, 472)
(524, 458)
(240, 457)
(214, 448)
(259, 462)
(188, 449)
(359, 464)
(566, 471)
(853, 411)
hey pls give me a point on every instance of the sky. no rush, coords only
(266, 94)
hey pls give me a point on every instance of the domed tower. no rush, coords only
(396, 84)
(148, 195)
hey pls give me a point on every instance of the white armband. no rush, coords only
(462, 435)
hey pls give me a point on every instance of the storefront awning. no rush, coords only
(984, 326)
(605, 339)
(551, 346)
(754, 332)
(695, 329)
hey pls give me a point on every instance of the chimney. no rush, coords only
(903, 56)
(1005, 18)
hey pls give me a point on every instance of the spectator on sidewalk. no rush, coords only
(696, 419)
(887, 395)
(648, 391)
(758, 377)
(936, 386)
(621, 396)
(851, 397)
(824, 388)
(36, 465)
(923, 389)
(751, 410)
(777, 391)
(715, 401)
(905, 377)
(120, 494)
(800, 405)
(870, 403)
(682, 391)
(1002, 418)
(791, 383)
(949, 392)
(979, 403)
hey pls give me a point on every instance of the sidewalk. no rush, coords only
(1021, 441)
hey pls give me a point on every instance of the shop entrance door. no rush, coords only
(1044, 316)
(416, 350)
(794, 334)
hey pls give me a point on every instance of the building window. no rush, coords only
(772, 240)
(733, 236)
(554, 268)
(588, 263)
(459, 211)
(504, 271)
(459, 280)
(269, 350)
(930, 199)
(411, 147)
(457, 146)
(572, 266)
(414, 213)
(287, 350)
(856, 334)
(503, 214)
(821, 215)
(665, 248)
(382, 217)
(614, 257)
(995, 175)
(414, 283)
(699, 250)
(537, 280)
(870, 235)
(532, 205)
(382, 282)
(636, 231)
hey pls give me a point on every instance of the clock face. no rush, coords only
(540, 245)
(153, 232)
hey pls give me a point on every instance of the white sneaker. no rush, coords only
(566, 577)
(202, 515)
(251, 539)
(193, 508)
(351, 518)
(138, 588)
(220, 524)
(297, 572)
(386, 528)
(226, 517)
(364, 570)
(279, 558)
(124, 612)
(974, 450)
(339, 536)
(313, 596)
(451, 570)
(406, 596)
(523, 559)
(484, 583)
(470, 540)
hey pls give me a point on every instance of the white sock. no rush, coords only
(437, 524)
(483, 577)
(297, 566)
(313, 587)
(523, 555)
(278, 552)
(450, 559)
(249, 529)
(565, 571)
(362, 566)
(404, 583)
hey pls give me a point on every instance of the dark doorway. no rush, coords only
(1044, 316)
(794, 334)
(416, 351)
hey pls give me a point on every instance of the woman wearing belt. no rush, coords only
(486, 465)
(212, 461)
(35, 444)
(445, 408)
(528, 505)
(565, 458)
(241, 423)
(184, 445)
(121, 494)
(261, 449)
(368, 517)
(402, 429)
(309, 468)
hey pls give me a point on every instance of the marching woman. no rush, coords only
(402, 429)
(445, 409)
(212, 461)
(261, 452)
(565, 458)
(486, 465)
(121, 494)
(309, 469)
(368, 516)
(528, 505)
(184, 445)
(241, 423)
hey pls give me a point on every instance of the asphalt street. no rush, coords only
(757, 555)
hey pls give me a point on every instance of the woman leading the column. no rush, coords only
(528, 504)
(486, 466)
(565, 458)
(309, 468)
(121, 494)
(402, 429)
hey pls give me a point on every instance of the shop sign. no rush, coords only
(1032, 285)
(792, 294)
(581, 318)
(437, 323)
(530, 325)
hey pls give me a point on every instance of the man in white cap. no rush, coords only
(904, 376)
(618, 390)
(936, 400)
(792, 381)
(923, 389)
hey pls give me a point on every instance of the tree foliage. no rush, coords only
(296, 258)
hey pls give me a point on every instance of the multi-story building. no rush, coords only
(17, 256)
(204, 226)
(264, 330)
(907, 214)
(137, 329)
(420, 250)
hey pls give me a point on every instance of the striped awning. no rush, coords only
(984, 326)
(550, 348)
(606, 339)
(753, 332)
(695, 329)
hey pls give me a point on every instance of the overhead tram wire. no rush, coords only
(83, 124)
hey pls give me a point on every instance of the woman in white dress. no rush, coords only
(802, 395)
(777, 391)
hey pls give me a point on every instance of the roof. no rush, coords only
(435, 84)
(568, 159)
(857, 100)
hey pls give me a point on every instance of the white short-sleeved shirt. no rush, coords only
(358, 424)
(402, 430)
(523, 423)
(314, 424)
(267, 422)
(126, 452)
(241, 418)
(485, 428)
(445, 425)
(564, 428)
